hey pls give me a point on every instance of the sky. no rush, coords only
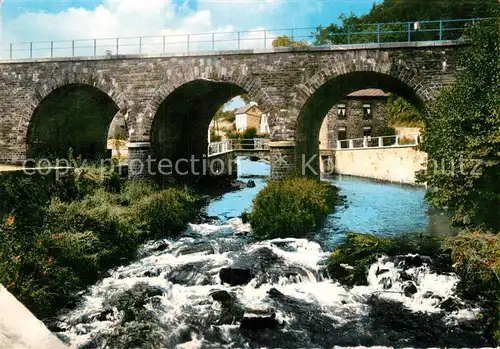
(24, 21)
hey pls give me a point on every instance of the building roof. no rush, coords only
(244, 109)
(370, 92)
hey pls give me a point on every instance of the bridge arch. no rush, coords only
(73, 115)
(329, 85)
(219, 74)
(179, 129)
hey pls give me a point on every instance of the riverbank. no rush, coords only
(215, 286)
(59, 235)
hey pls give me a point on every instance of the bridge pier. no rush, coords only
(283, 159)
(138, 153)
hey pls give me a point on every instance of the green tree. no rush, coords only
(402, 113)
(404, 11)
(462, 135)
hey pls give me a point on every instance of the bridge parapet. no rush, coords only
(254, 41)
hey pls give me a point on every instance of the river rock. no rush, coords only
(197, 247)
(190, 274)
(221, 296)
(235, 276)
(413, 261)
(104, 315)
(162, 246)
(250, 184)
(258, 323)
(152, 273)
(428, 294)
(409, 289)
(451, 304)
(381, 271)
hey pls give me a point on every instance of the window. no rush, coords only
(367, 131)
(342, 135)
(341, 111)
(367, 111)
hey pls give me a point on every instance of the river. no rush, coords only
(173, 295)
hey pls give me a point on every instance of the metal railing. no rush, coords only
(409, 140)
(215, 148)
(441, 30)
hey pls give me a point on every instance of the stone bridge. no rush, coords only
(169, 101)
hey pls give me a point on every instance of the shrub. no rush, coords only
(166, 213)
(293, 207)
(133, 191)
(476, 260)
(57, 237)
(362, 250)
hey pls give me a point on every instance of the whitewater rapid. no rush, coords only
(173, 282)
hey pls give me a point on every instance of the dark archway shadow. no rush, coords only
(75, 116)
(321, 101)
(179, 131)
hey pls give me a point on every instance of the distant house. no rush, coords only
(248, 116)
(360, 114)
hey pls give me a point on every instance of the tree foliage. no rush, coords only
(402, 113)
(404, 11)
(285, 41)
(462, 135)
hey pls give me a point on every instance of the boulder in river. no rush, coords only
(259, 323)
(250, 184)
(235, 276)
(409, 289)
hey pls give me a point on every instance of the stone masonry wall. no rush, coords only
(354, 121)
(280, 81)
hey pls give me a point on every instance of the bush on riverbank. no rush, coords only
(473, 256)
(476, 260)
(360, 251)
(57, 237)
(293, 207)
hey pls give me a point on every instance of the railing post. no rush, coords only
(10, 54)
(440, 30)
(380, 142)
(365, 142)
(51, 49)
(378, 33)
(31, 50)
(163, 43)
(117, 45)
(292, 34)
(409, 31)
(95, 47)
(348, 34)
(397, 141)
(140, 45)
(188, 43)
(265, 40)
(238, 40)
(351, 144)
(213, 41)
(339, 145)
(73, 48)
